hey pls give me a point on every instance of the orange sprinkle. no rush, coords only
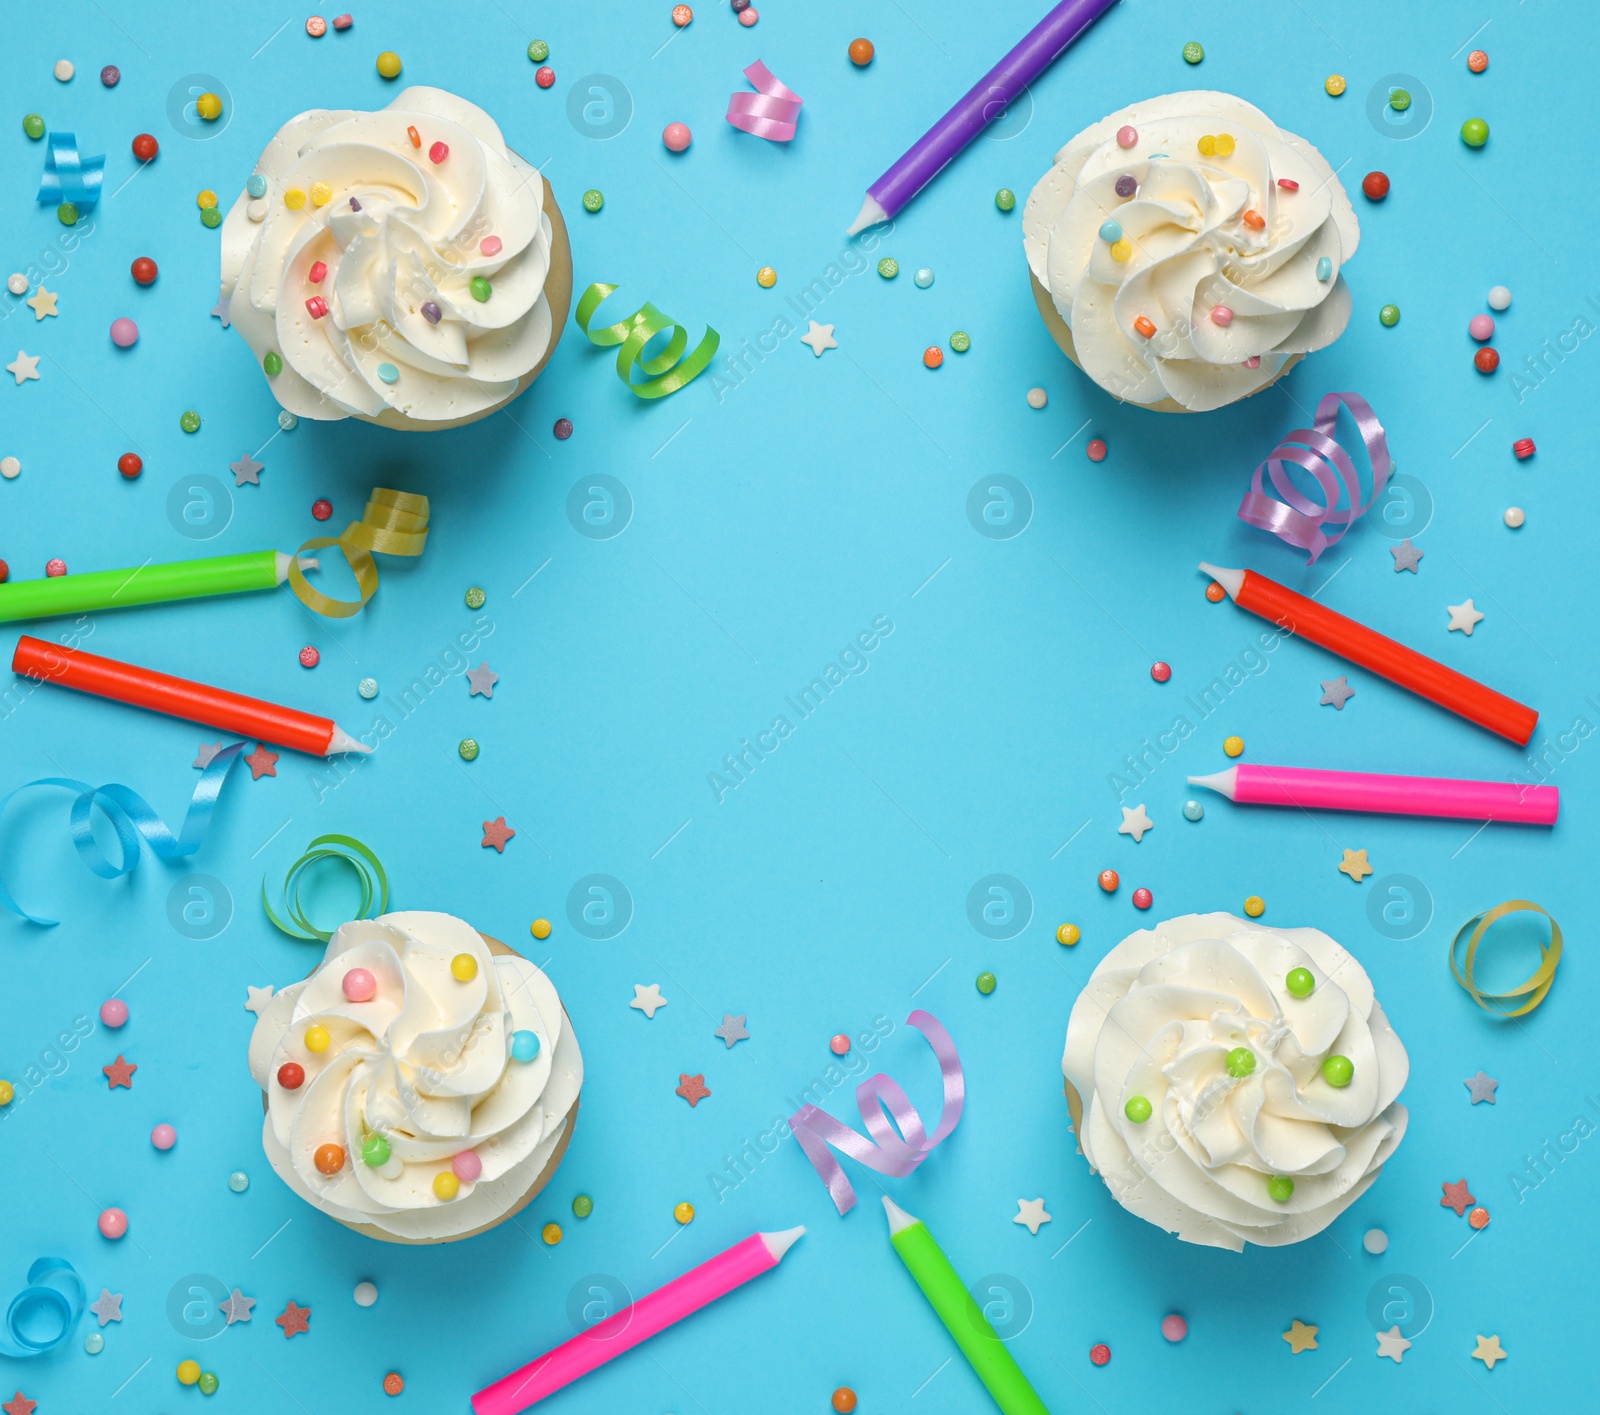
(1255, 221)
(1215, 593)
(329, 1158)
(1479, 1218)
(1477, 61)
(393, 1383)
(1144, 327)
(933, 356)
(416, 141)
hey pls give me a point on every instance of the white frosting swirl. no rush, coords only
(1204, 231)
(1158, 1019)
(397, 233)
(426, 1064)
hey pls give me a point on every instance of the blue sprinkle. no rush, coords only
(1324, 269)
(388, 373)
(257, 185)
(1193, 810)
(1111, 231)
(524, 1045)
(923, 278)
(1155, 155)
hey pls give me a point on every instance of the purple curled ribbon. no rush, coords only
(1296, 518)
(69, 176)
(886, 1152)
(770, 112)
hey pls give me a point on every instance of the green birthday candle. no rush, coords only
(963, 1318)
(95, 590)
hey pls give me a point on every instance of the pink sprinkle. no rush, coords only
(1481, 327)
(748, 17)
(113, 1223)
(318, 272)
(1254, 361)
(359, 985)
(1127, 137)
(114, 1013)
(1142, 899)
(1222, 315)
(1173, 1327)
(342, 21)
(467, 1167)
(839, 1045)
(677, 136)
(163, 1137)
(1288, 184)
(309, 657)
(317, 306)
(1096, 450)
(491, 245)
(124, 333)
(1161, 672)
(438, 152)
(55, 567)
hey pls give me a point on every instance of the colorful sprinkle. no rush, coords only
(1477, 61)
(1524, 448)
(1126, 186)
(986, 983)
(1142, 898)
(562, 429)
(1288, 184)
(1334, 84)
(309, 657)
(677, 137)
(1474, 132)
(681, 15)
(1173, 1327)
(481, 289)
(389, 64)
(145, 147)
(1096, 450)
(445, 1186)
(1005, 199)
(1193, 52)
(1300, 982)
(1068, 935)
(1486, 360)
(861, 52)
(1254, 220)
(1193, 811)
(1111, 231)
(321, 194)
(1121, 251)
(388, 373)
(1233, 746)
(1109, 880)
(1161, 672)
(933, 356)
(317, 1038)
(1255, 906)
(960, 341)
(1481, 327)
(1143, 325)
(190, 421)
(684, 1212)
(839, 1044)
(393, 1383)
(524, 1045)
(1389, 316)
(414, 136)
(208, 107)
(888, 267)
(1325, 269)
(766, 277)
(923, 278)
(538, 51)
(1375, 186)
(544, 76)
(1037, 398)
(1222, 316)
(1127, 137)
(1338, 1071)
(430, 312)
(593, 199)
(1100, 1353)
(475, 598)
(551, 1233)
(112, 1223)
(463, 967)
(468, 748)
(1514, 517)
(438, 152)
(1280, 1188)
(368, 688)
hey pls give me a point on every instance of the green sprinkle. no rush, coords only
(1193, 52)
(476, 598)
(210, 218)
(961, 341)
(1005, 198)
(986, 983)
(481, 289)
(208, 1383)
(1338, 1071)
(94, 1343)
(190, 421)
(1389, 316)
(272, 362)
(67, 214)
(888, 267)
(1300, 982)
(468, 749)
(1474, 132)
(375, 1151)
(538, 51)
(1280, 1188)
(593, 199)
(582, 1206)
(1138, 1110)
(1241, 1061)
(33, 126)
(1399, 100)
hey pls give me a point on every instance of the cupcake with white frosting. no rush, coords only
(1233, 1083)
(404, 266)
(421, 1085)
(1185, 252)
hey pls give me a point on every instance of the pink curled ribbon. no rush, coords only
(886, 1152)
(1299, 520)
(770, 112)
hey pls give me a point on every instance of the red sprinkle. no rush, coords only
(316, 26)
(1142, 899)
(145, 147)
(415, 136)
(144, 270)
(1375, 185)
(839, 1044)
(1096, 450)
(309, 657)
(438, 152)
(1109, 880)
(322, 509)
(1477, 61)
(5, 572)
(545, 76)
(1288, 184)
(318, 272)
(1145, 327)
(342, 21)
(1486, 360)
(1100, 1353)
(1161, 672)
(317, 306)
(933, 356)
(1524, 448)
(55, 567)
(291, 1075)
(130, 464)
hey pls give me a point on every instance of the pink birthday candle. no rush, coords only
(1389, 795)
(759, 1253)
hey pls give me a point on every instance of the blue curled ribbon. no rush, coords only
(54, 1290)
(68, 175)
(133, 818)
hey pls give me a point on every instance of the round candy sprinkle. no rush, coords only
(524, 1045)
(318, 272)
(368, 688)
(359, 985)
(469, 749)
(1005, 199)
(1486, 360)
(1477, 61)
(1337, 1071)
(389, 64)
(1193, 52)
(291, 1075)
(1514, 517)
(766, 277)
(208, 1383)
(114, 1012)
(33, 126)
(861, 52)
(316, 26)
(445, 1186)
(933, 356)
(145, 147)
(17, 284)
(8, 1093)
(188, 1372)
(986, 983)
(1100, 1353)
(94, 1343)
(1375, 185)
(1068, 934)
(1288, 184)
(1144, 326)
(1399, 100)
(545, 76)
(342, 22)
(681, 15)
(1161, 672)
(593, 199)
(1233, 746)
(551, 1233)
(209, 107)
(55, 567)
(238, 1181)
(582, 1206)
(1109, 880)
(329, 1158)
(888, 267)
(1126, 185)
(1479, 1218)
(393, 1383)
(1499, 298)
(475, 598)
(1389, 316)
(144, 270)
(1037, 398)
(540, 928)
(463, 967)
(5, 570)
(748, 17)
(1096, 450)
(163, 1137)
(1222, 316)
(211, 218)
(309, 657)
(124, 333)
(684, 1212)
(430, 311)
(1481, 327)
(677, 137)
(1325, 269)
(1193, 811)
(960, 341)
(1280, 1188)
(1127, 137)
(1300, 982)
(64, 70)
(1111, 231)
(205, 198)
(437, 154)
(256, 185)
(11, 468)
(67, 214)
(923, 278)
(562, 429)
(839, 1044)
(1142, 898)
(467, 1167)
(1240, 1062)
(112, 1223)
(1474, 132)
(1173, 1327)
(1255, 906)
(1375, 1241)
(316, 1038)
(321, 509)
(1138, 1109)
(389, 373)
(538, 51)
(366, 1294)
(1334, 84)
(481, 289)
(843, 1400)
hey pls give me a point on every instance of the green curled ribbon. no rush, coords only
(348, 851)
(669, 370)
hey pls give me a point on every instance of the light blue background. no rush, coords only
(769, 526)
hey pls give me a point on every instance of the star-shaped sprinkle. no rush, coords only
(1406, 556)
(1482, 1087)
(294, 1319)
(1392, 1344)
(819, 337)
(262, 762)
(496, 833)
(1465, 616)
(258, 999)
(247, 469)
(1135, 823)
(1300, 1337)
(107, 1306)
(1456, 1197)
(206, 755)
(692, 1088)
(20, 1405)
(220, 311)
(1355, 865)
(1336, 692)
(43, 303)
(1031, 1212)
(119, 1073)
(237, 1308)
(25, 367)
(1489, 1350)
(481, 681)
(647, 999)
(732, 1029)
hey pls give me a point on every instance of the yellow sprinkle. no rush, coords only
(188, 1372)
(1335, 85)
(294, 198)
(321, 194)
(1234, 746)
(683, 1212)
(1068, 934)
(1255, 906)
(207, 198)
(540, 928)
(209, 107)
(1224, 144)
(1207, 146)
(551, 1233)
(445, 1185)
(1121, 250)
(317, 1038)
(766, 277)
(7, 1093)
(463, 967)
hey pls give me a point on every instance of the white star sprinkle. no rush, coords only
(1031, 1212)
(1464, 616)
(1135, 823)
(819, 337)
(25, 367)
(647, 999)
(258, 999)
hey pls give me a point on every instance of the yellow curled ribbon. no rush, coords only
(669, 370)
(1535, 989)
(394, 523)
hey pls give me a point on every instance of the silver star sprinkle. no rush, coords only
(237, 1307)
(247, 469)
(107, 1306)
(220, 311)
(482, 680)
(206, 755)
(732, 1029)
(1406, 556)
(1336, 692)
(1482, 1088)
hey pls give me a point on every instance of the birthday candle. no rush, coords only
(95, 590)
(1255, 785)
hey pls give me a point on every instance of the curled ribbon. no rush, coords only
(347, 851)
(394, 523)
(133, 819)
(1535, 989)
(886, 1152)
(1299, 520)
(667, 371)
(770, 112)
(69, 176)
(51, 1302)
